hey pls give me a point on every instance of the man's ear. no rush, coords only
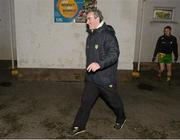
(98, 18)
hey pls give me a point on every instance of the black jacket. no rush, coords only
(167, 45)
(102, 47)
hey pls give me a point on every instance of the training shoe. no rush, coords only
(77, 130)
(120, 125)
(168, 79)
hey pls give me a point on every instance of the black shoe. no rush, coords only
(120, 125)
(77, 130)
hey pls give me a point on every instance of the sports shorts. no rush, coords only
(164, 58)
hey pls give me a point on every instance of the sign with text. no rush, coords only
(72, 10)
(66, 10)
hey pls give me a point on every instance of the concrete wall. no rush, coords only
(41, 43)
(122, 14)
(152, 30)
(5, 43)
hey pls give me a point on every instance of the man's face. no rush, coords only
(92, 21)
(167, 32)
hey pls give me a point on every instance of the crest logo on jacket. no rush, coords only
(96, 46)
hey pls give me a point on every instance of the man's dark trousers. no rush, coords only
(90, 95)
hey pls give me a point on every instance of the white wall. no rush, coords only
(41, 43)
(152, 31)
(122, 15)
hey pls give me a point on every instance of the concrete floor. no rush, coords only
(47, 109)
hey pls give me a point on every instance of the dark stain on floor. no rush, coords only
(10, 125)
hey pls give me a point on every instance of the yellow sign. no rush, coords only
(68, 8)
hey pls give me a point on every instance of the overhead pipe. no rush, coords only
(137, 72)
(14, 70)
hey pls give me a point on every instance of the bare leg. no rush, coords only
(169, 71)
(161, 69)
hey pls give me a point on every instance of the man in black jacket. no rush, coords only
(102, 52)
(166, 45)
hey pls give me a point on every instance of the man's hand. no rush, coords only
(175, 60)
(93, 67)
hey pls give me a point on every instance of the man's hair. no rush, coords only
(96, 12)
(167, 27)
